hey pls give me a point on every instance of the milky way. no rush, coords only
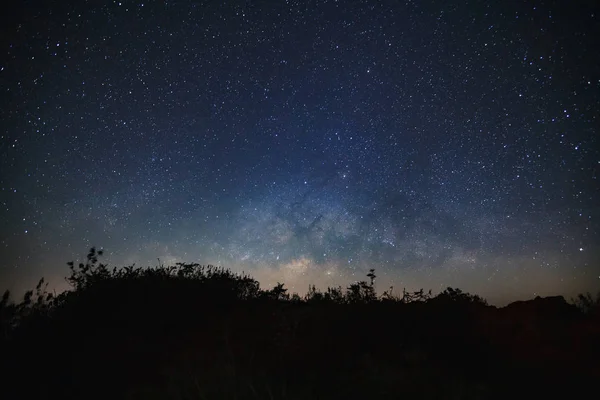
(441, 143)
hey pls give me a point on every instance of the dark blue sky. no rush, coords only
(441, 143)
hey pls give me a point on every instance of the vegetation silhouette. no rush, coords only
(192, 331)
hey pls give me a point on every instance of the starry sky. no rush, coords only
(443, 143)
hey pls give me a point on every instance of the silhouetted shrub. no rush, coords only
(197, 331)
(587, 303)
(279, 292)
(458, 296)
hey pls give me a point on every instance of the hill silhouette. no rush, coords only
(201, 332)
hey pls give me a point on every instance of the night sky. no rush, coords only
(441, 143)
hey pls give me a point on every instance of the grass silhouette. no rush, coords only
(191, 331)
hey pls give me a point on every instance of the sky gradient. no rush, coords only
(442, 143)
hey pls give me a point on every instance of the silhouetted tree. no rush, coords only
(587, 303)
(457, 295)
(279, 292)
(360, 292)
(416, 296)
(314, 295)
(371, 275)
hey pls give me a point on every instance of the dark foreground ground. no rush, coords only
(194, 333)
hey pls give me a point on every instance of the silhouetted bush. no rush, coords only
(587, 303)
(192, 331)
(458, 296)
